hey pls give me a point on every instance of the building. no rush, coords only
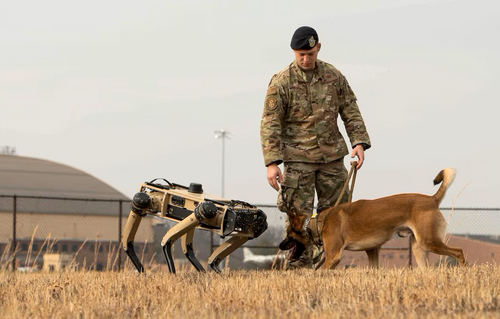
(60, 209)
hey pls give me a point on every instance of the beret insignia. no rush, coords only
(312, 42)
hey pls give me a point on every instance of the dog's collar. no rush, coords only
(311, 234)
(312, 230)
(306, 223)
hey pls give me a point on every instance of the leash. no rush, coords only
(352, 173)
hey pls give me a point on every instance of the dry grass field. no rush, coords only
(470, 292)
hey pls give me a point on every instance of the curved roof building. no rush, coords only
(60, 209)
(21, 175)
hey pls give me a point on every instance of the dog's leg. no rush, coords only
(421, 256)
(333, 247)
(441, 248)
(430, 236)
(332, 259)
(373, 255)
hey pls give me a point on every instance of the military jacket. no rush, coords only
(299, 122)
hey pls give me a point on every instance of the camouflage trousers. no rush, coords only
(301, 182)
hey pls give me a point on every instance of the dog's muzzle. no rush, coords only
(296, 247)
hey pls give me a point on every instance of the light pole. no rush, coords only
(222, 134)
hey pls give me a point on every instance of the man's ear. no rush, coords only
(319, 46)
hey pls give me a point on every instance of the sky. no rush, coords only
(129, 91)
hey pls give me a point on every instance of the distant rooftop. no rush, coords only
(21, 175)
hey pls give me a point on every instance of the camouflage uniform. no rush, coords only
(299, 128)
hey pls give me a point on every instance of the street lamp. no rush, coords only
(222, 134)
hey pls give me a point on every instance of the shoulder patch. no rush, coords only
(271, 104)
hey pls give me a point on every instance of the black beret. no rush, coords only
(304, 38)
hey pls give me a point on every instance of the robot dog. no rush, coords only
(191, 209)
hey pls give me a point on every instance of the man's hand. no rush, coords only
(274, 176)
(358, 151)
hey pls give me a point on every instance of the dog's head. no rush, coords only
(297, 238)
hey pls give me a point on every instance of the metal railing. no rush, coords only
(50, 215)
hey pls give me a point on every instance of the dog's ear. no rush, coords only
(287, 243)
(297, 221)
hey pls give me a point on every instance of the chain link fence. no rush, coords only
(51, 233)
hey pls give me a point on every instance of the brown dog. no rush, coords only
(365, 225)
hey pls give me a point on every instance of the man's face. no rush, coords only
(306, 59)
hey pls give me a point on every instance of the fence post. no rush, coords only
(14, 233)
(120, 235)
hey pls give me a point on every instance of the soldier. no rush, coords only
(299, 129)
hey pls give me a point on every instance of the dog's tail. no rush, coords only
(446, 176)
